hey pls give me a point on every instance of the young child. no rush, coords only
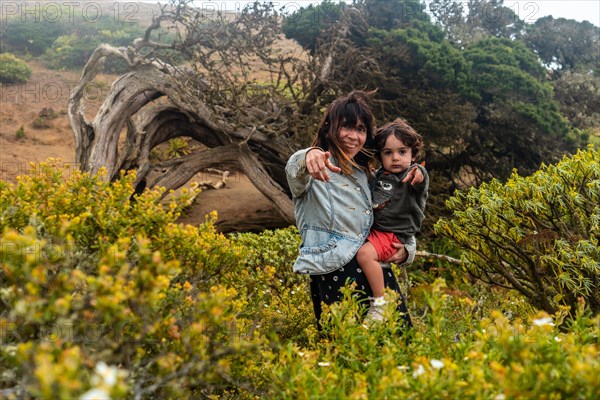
(399, 199)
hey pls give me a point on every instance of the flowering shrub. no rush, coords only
(13, 69)
(102, 295)
(538, 235)
(496, 358)
(91, 275)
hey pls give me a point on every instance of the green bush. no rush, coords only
(13, 69)
(94, 278)
(538, 234)
(492, 358)
(20, 134)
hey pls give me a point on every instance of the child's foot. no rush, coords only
(375, 313)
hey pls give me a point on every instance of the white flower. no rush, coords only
(556, 338)
(403, 367)
(95, 394)
(500, 396)
(108, 374)
(437, 364)
(324, 364)
(543, 321)
(419, 371)
(301, 353)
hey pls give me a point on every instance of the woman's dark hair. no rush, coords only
(348, 111)
(403, 132)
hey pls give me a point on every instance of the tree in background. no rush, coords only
(306, 24)
(519, 123)
(484, 103)
(469, 22)
(578, 94)
(565, 44)
(29, 37)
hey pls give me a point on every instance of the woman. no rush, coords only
(330, 184)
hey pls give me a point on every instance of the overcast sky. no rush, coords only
(527, 10)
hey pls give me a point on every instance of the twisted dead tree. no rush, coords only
(220, 82)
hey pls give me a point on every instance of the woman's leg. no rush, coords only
(326, 288)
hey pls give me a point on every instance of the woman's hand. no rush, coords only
(400, 256)
(317, 164)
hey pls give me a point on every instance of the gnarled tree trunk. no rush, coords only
(247, 123)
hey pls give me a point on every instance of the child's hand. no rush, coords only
(317, 164)
(414, 176)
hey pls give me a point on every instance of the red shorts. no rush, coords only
(382, 241)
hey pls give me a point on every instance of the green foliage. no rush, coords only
(492, 357)
(177, 147)
(306, 24)
(91, 275)
(13, 69)
(72, 49)
(102, 293)
(30, 36)
(421, 56)
(519, 122)
(564, 44)
(579, 95)
(390, 14)
(538, 235)
(20, 134)
(70, 52)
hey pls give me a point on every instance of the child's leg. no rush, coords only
(368, 260)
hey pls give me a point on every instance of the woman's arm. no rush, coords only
(297, 174)
(405, 254)
(304, 164)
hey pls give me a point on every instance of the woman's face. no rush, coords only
(353, 139)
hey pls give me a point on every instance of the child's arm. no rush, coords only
(416, 175)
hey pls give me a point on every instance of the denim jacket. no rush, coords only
(334, 218)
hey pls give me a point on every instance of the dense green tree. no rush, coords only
(565, 44)
(579, 97)
(29, 37)
(519, 121)
(389, 14)
(493, 18)
(469, 22)
(306, 24)
(448, 14)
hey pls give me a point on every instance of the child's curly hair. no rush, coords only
(404, 132)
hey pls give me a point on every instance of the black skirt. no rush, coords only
(326, 288)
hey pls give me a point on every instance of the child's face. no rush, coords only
(395, 156)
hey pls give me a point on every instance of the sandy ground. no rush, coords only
(21, 104)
